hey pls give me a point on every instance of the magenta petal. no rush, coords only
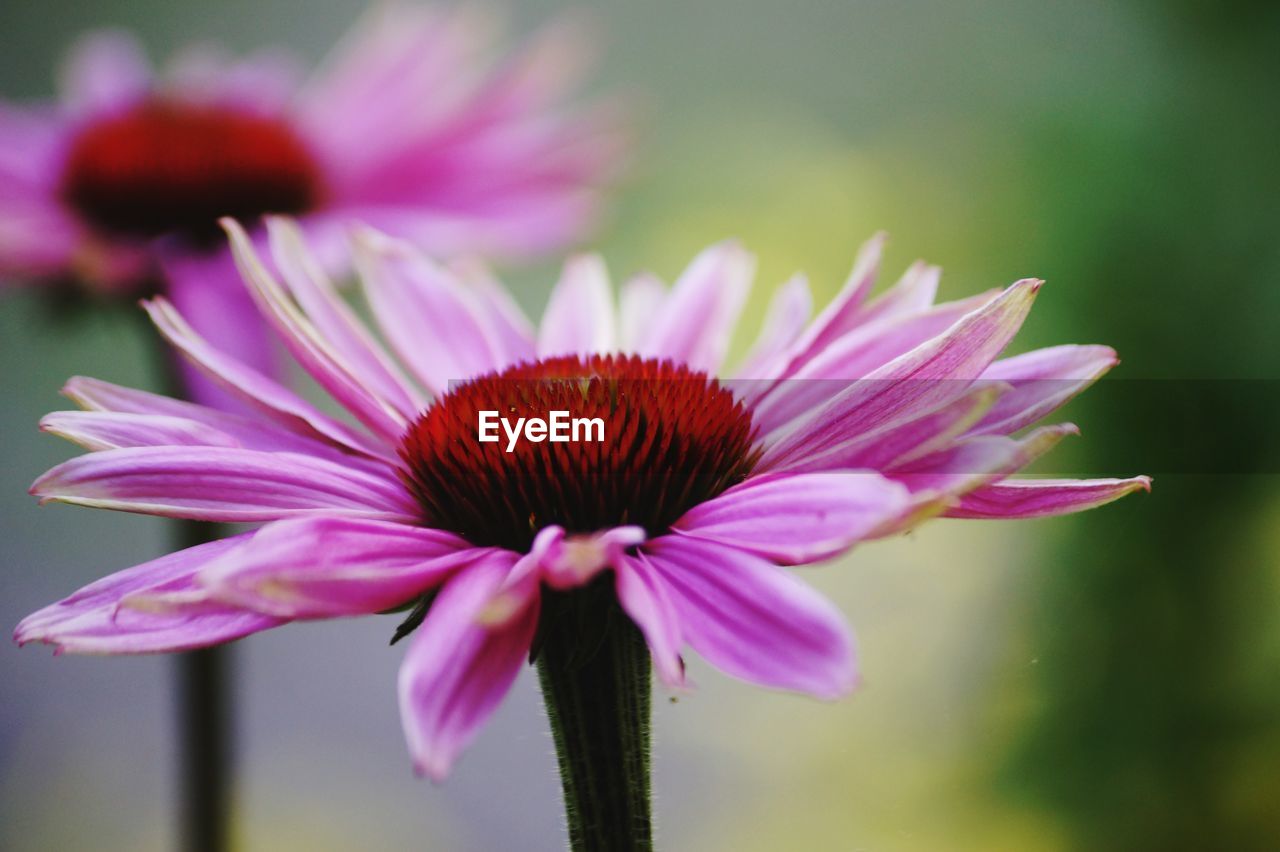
(754, 620)
(1042, 381)
(340, 326)
(698, 316)
(458, 669)
(221, 484)
(327, 567)
(1042, 498)
(644, 597)
(579, 319)
(252, 433)
(784, 321)
(262, 394)
(930, 375)
(439, 328)
(210, 295)
(341, 378)
(92, 621)
(104, 70)
(109, 430)
(797, 518)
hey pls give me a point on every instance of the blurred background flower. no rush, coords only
(1101, 682)
(421, 123)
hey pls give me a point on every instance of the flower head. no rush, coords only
(699, 491)
(411, 126)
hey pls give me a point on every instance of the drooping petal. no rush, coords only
(697, 319)
(458, 668)
(93, 621)
(753, 619)
(1042, 498)
(221, 484)
(579, 319)
(799, 518)
(644, 597)
(327, 567)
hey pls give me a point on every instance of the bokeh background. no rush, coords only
(1109, 681)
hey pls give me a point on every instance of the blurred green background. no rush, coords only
(1110, 681)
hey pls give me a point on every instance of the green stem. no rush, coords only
(595, 673)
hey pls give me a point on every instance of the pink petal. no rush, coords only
(309, 284)
(219, 484)
(1043, 380)
(457, 669)
(328, 566)
(513, 330)
(104, 70)
(842, 314)
(899, 441)
(913, 293)
(92, 621)
(252, 434)
(108, 430)
(579, 319)
(437, 327)
(261, 393)
(698, 317)
(1042, 498)
(854, 355)
(312, 350)
(209, 294)
(644, 597)
(785, 319)
(640, 304)
(754, 620)
(797, 518)
(930, 375)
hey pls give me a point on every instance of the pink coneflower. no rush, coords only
(416, 125)
(856, 425)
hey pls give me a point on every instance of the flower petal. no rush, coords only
(754, 620)
(337, 376)
(220, 484)
(309, 284)
(458, 669)
(1042, 380)
(104, 70)
(435, 325)
(785, 319)
(579, 319)
(930, 375)
(640, 305)
(644, 597)
(261, 393)
(92, 621)
(797, 518)
(109, 430)
(327, 567)
(1042, 498)
(697, 319)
